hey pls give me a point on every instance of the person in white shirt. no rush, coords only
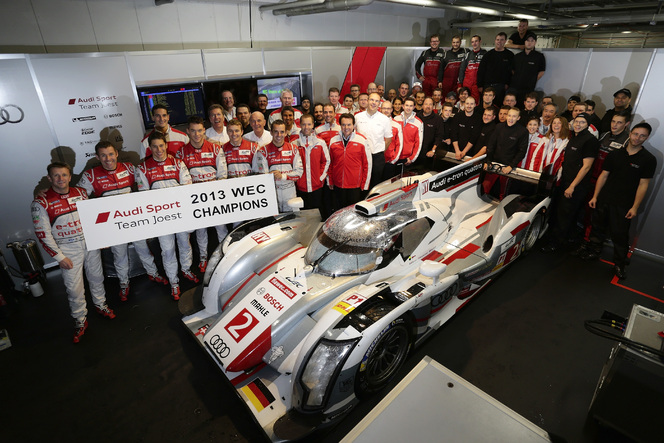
(377, 128)
(217, 132)
(259, 135)
(228, 103)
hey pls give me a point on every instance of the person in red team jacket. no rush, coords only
(350, 172)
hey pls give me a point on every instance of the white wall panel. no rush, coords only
(162, 67)
(287, 61)
(219, 63)
(649, 107)
(22, 29)
(121, 29)
(564, 74)
(63, 23)
(232, 22)
(28, 147)
(399, 66)
(160, 26)
(611, 70)
(329, 70)
(197, 24)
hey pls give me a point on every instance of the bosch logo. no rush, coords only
(219, 346)
(11, 114)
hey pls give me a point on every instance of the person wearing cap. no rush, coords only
(417, 87)
(574, 184)
(621, 101)
(433, 59)
(571, 102)
(528, 67)
(518, 39)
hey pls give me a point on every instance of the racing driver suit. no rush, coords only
(434, 66)
(152, 174)
(58, 228)
(452, 63)
(468, 72)
(176, 140)
(205, 164)
(286, 160)
(102, 183)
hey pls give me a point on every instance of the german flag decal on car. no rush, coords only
(258, 394)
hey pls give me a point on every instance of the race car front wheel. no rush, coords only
(384, 357)
(533, 233)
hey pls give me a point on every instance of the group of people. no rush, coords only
(330, 154)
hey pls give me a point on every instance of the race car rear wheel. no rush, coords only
(384, 357)
(533, 233)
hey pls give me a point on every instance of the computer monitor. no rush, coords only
(272, 87)
(182, 101)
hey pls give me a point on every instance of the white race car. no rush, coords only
(305, 316)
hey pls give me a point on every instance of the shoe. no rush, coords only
(124, 292)
(158, 279)
(202, 265)
(175, 292)
(105, 311)
(190, 276)
(79, 329)
(548, 249)
(580, 251)
(619, 271)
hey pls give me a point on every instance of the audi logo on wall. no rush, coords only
(11, 114)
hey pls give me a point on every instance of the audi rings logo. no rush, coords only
(11, 114)
(218, 346)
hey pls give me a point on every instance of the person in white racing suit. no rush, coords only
(58, 228)
(165, 171)
(281, 159)
(113, 178)
(206, 162)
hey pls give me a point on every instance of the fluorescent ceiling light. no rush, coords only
(480, 10)
(526, 16)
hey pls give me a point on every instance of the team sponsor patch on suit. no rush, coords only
(258, 394)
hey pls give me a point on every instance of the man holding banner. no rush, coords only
(206, 162)
(113, 178)
(58, 228)
(164, 171)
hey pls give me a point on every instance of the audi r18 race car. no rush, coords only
(306, 316)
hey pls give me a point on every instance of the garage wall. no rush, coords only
(39, 26)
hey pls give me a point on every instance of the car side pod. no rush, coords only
(433, 269)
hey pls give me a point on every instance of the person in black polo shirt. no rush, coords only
(580, 154)
(618, 194)
(528, 66)
(518, 39)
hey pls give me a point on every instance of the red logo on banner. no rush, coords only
(102, 217)
(72, 101)
(241, 325)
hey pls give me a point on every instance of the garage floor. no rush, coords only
(141, 377)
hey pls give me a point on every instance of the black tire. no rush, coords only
(384, 358)
(533, 233)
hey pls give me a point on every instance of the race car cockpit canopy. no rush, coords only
(351, 243)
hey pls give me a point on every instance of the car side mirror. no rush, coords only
(296, 203)
(432, 269)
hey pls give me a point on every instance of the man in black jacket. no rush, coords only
(433, 131)
(496, 68)
(580, 154)
(465, 129)
(621, 102)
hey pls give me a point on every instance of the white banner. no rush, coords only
(119, 219)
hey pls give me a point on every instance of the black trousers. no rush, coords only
(347, 196)
(377, 168)
(567, 210)
(312, 200)
(609, 221)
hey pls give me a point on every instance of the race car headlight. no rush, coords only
(323, 366)
(213, 261)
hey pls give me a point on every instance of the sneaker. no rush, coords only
(79, 329)
(124, 292)
(202, 265)
(105, 311)
(158, 279)
(175, 292)
(190, 276)
(619, 271)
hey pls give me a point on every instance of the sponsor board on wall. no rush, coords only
(124, 218)
(90, 99)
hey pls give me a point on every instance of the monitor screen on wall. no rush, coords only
(272, 87)
(183, 101)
